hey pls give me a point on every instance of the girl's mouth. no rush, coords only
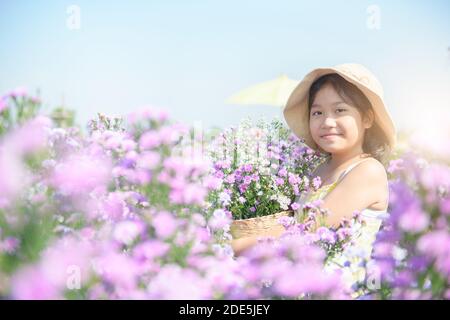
(330, 136)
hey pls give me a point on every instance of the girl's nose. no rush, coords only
(329, 121)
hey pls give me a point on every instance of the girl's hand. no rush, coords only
(242, 244)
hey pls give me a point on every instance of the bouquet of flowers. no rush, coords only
(259, 171)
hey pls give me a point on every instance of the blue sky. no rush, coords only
(189, 56)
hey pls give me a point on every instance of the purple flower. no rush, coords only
(326, 235)
(395, 166)
(316, 182)
(282, 172)
(242, 188)
(293, 179)
(295, 206)
(248, 168)
(219, 174)
(343, 233)
(247, 180)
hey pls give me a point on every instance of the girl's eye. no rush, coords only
(315, 112)
(341, 109)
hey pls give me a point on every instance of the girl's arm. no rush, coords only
(358, 190)
(242, 244)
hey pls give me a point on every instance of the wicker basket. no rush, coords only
(257, 226)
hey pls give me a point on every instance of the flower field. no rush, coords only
(140, 207)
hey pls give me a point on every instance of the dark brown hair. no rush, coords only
(375, 141)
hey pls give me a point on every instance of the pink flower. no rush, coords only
(31, 137)
(168, 135)
(114, 206)
(3, 104)
(176, 283)
(18, 92)
(12, 173)
(150, 250)
(190, 193)
(68, 256)
(230, 179)
(435, 176)
(31, 283)
(444, 206)
(414, 221)
(219, 220)
(165, 224)
(306, 279)
(80, 174)
(127, 231)
(212, 183)
(149, 140)
(117, 269)
(149, 160)
(295, 206)
(435, 243)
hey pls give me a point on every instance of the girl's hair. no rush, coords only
(375, 141)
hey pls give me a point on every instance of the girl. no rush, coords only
(340, 112)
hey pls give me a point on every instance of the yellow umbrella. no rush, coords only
(274, 93)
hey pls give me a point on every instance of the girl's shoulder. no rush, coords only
(368, 170)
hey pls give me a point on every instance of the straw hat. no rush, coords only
(296, 110)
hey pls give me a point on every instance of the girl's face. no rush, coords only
(331, 115)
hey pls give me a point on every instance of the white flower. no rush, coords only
(224, 198)
(283, 201)
(399, 253)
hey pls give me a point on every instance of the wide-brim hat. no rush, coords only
(296, 110)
